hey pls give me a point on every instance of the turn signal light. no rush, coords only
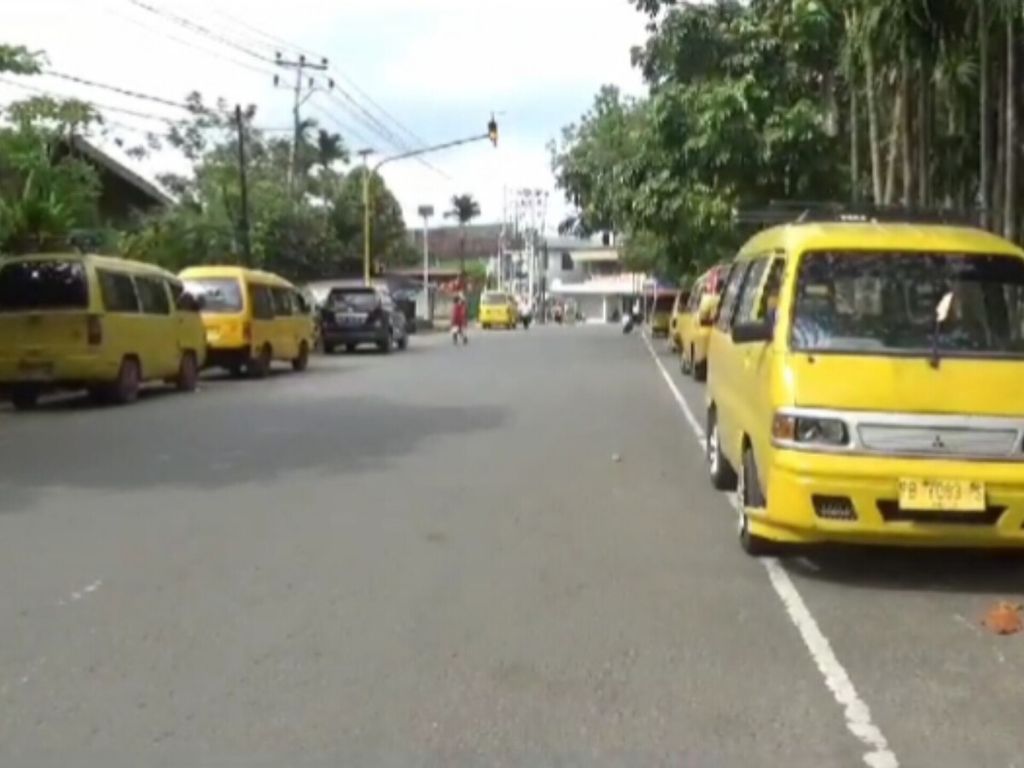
(784, 427)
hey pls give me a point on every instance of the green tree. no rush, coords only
(464, 209)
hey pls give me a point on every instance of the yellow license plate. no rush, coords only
(921, 494)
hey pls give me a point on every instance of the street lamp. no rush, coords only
(491, 135)
(426, 211)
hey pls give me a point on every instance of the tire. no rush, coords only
(259, 366)
(350, 348)
(685, 364)
(25, 398)
(187, 379)
(485, 326)
(386, 345)
(301, 363)
(723, 476)
(700, 371)
(752, 497)
(125, 389)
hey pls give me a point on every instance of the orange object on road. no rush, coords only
(1004, 619)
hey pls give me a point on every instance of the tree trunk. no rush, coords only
(854, 143)
(873, 129)
(894, 145)
(999, 176)
(923, 137)
(1010, 195)
(905, 127)
(985, 117)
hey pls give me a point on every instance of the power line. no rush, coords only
(127, 92)
(200, 29)
(278, 42)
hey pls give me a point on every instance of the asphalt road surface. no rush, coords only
(507, 554)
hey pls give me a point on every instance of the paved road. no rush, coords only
(433, 559)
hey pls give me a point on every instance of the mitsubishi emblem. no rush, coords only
(938, 443)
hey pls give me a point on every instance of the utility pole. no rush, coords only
(299, 65)
(367, 250)
(243, 179)
(426, 211)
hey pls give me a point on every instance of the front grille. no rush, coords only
(891, 513)
(939, 441)
(833, 507)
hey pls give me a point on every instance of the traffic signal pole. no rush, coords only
(491, 135)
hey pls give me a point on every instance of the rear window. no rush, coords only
(665, 302)
(219, 294)
(494, 299)
(352, 299)
(31, 285)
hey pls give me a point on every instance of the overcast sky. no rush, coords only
(439, 66)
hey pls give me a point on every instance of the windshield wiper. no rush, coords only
(941, 314)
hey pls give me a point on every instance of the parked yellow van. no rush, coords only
(694, 325)
(661, 313)
(498, 310)
(678, 310)
(73, 321)
(252, 318)
(865, 382)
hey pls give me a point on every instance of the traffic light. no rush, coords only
(492, 131)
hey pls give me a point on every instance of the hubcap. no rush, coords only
(713, 449)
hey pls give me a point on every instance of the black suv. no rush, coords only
(356, 315)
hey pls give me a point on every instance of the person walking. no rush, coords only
(460, 319)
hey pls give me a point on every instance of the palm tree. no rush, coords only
(464, 209)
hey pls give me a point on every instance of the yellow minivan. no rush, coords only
(252, 318)
(498, 310)
(865, 386)
(694, 324)
(661, 313)
(72, 321)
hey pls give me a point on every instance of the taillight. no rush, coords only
(94, 330)
(247, 331)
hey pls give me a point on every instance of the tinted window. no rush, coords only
(665, 302)
(355, 299)
(261, 301)
(751, 287)
(494, 299)
(219, 294)
(153, 296)
(29, 285)
(732, 291)
(300, 302)
(282, 301)
(118, 291)
(873, 301)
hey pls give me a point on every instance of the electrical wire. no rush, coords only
(127, 92)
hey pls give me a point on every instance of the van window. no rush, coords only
(494, 299)
(665, 302)
(695, 296)
(282, 301)
(726, 308)
(220, 295)
(261, 301)
(301, 303)
(751, 287)
(118, 291)
(353, 299)
(772, 287)
(886, 302)
(30, 285)
(153, 295)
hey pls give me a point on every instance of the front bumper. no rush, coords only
(795, 478)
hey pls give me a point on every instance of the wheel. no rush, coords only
(188, 373)
(25, 398)
(125, 389)
(301, 362)
(685, 363)
(403, 343)
(235, 370)
(751, 496)
(700, 371)
(259, 366)
(723, 476)
(485, 326)
(386, 344)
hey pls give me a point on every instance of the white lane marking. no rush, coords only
(837, 679)
(78, 594)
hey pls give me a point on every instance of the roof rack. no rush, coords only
(801, 212)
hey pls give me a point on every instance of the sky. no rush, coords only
(439, 67)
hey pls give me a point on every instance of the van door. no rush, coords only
(163, 349)
(286, 345)
(124, 331)
(261, 309)
(724, 368)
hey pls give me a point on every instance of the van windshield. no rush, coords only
(886, 303)
(665, 302)
(219, 294)
(30, 285)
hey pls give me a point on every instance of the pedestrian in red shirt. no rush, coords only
(460, 319)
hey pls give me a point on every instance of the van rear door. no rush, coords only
(44, 310)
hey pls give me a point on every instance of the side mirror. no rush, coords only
(751, 333)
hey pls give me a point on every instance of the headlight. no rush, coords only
(807, 430)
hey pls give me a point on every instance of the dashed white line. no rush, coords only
(837, 679)
(78, 594)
